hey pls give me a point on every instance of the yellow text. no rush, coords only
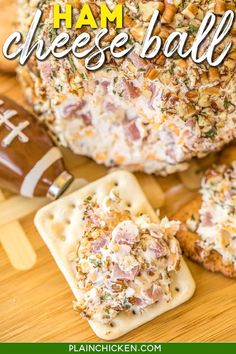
(86, 16)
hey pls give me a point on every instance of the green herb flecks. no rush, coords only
(171, 69)
(96, 262)
(211, 133)
(126, 303)
(192, 29)
(106, 296)
(41, 3)
(52, 32)
(226, 103)
(84, 76)
(72, 64)
(108, 69)
(88, 199)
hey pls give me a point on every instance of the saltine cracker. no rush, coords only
(58, 224)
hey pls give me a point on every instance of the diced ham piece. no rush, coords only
(72, 109)
(159, 247)
(86, 117)
(126, 232)
(110, 107)
(98, 244)
(138, 62)
(105, 85)
(138, 301)
(154, 91)
(132, 131)
(206, 219)
(45, 68)
(191, 123)
(154, 293)
(118, 274)
(131, 90)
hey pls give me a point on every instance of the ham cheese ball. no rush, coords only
(150, 116)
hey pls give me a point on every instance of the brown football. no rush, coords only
(29, 160)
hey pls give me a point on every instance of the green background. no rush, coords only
(61, 348)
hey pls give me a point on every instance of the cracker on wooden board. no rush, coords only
(188, 241)
(58, 223)
(17, 207)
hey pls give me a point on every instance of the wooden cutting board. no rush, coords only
(36, 305)
(7, 26)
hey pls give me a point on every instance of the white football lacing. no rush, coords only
(16, 131)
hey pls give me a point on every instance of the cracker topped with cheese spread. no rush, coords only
(212, 219)
(123, 260)
(123, 264)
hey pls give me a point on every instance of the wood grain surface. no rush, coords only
(36, 305)
(8, 24)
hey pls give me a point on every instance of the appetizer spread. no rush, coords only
(150, 116)
(124, 261)
(123, 264)
(30, 163)
(217, 226)
(209, 232)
